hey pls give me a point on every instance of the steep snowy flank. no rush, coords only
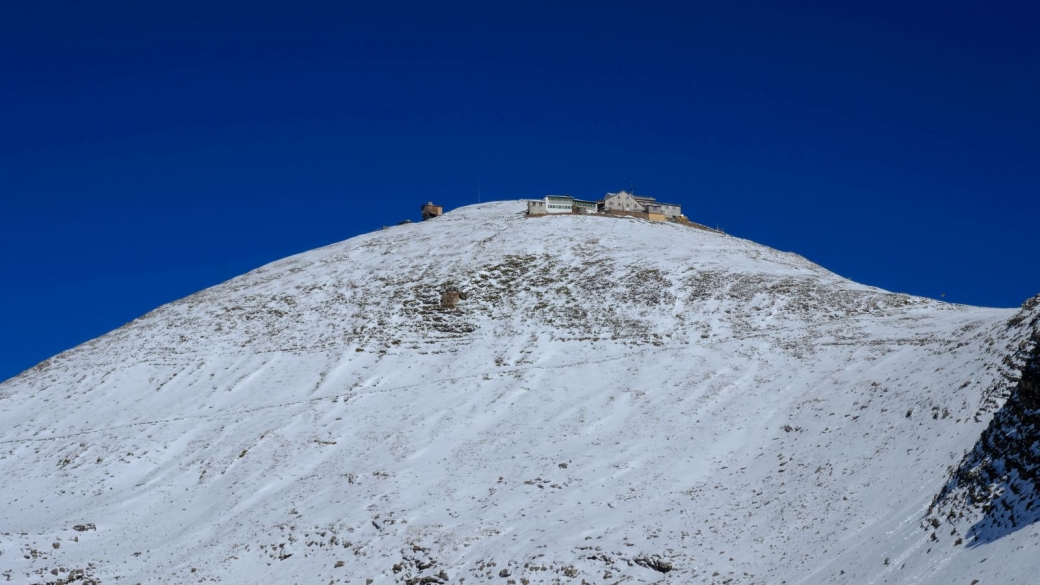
(494, 398)
(996, 488)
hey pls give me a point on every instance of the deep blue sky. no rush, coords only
(149, 150)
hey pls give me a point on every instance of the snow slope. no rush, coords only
(614, 400)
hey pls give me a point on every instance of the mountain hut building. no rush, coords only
(560, 204)
(623, 201)
(620, 202)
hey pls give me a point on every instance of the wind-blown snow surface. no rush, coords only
(615, 400)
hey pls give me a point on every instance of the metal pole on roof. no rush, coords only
(478, 190)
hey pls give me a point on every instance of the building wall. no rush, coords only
(621, 202)
(671, 210)
(585, 206)
(536, 207)
(558, 204)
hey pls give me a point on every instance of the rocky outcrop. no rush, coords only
(996, 487)
(450, 298)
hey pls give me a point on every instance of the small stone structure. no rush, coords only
(430, 211)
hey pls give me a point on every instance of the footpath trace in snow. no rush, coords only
(487, 397)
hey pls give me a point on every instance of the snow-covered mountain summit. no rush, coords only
(611, 400)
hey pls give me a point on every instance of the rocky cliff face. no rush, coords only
(996, 488)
